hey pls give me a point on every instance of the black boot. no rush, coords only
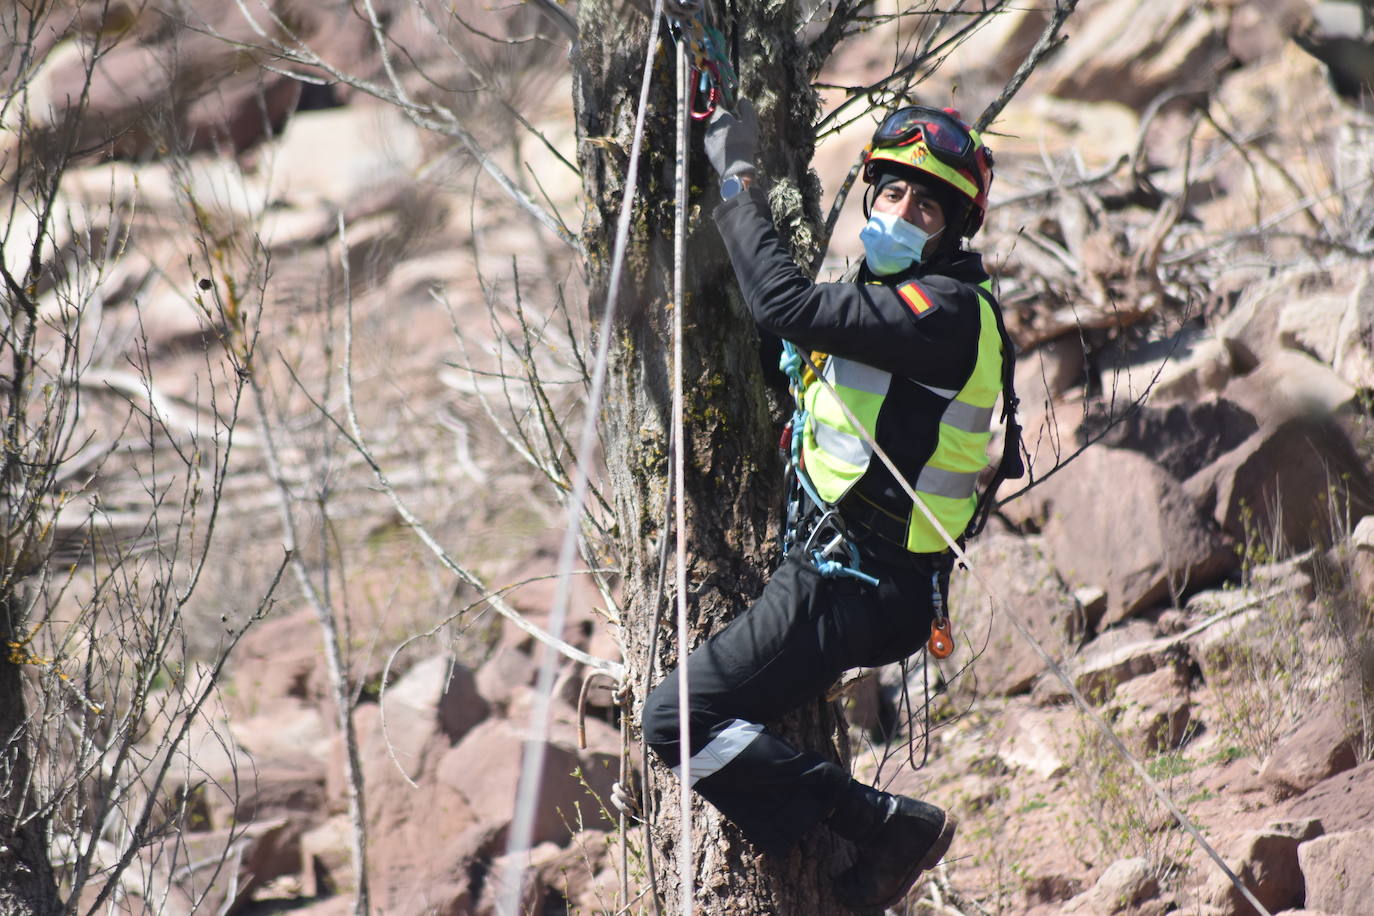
(896, 839)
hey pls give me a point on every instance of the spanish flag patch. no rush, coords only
(915, 298)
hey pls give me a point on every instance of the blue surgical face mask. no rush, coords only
(891, 244)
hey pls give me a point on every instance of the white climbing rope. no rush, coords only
(1001, 607)
(684, 707)
(536, 736)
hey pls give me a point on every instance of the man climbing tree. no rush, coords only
(732, 477)
(732, 484)
(913, 364)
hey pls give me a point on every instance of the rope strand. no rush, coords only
(684, 866)
(536, 737)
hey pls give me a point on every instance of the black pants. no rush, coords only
(786, 650)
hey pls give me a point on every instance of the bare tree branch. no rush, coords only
(904, 73)
(1048, 43)
(432, 116)
(353, 434)
(559, 17)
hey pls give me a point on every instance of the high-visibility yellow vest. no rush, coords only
(836, 454)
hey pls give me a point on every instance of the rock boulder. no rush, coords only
(1115, 657)
(1277, 487)
(438, 691)
(327, 858)
(251, 856)
(1028, 587)
(503, 674)
(1343, 802)
(1266, 862)
(1130, 53)
(1117, 520)
(273, 789)
(1124, 886)
(1182, 438)
(485, 769)
(1321, 746)
(1153, 710)
(1337, 872)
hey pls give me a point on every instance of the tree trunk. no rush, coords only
(27, 886)
(733, 473)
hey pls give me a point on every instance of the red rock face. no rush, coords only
(1030, 584)
(1267, 862)
(1138, 542)
(1124, 565)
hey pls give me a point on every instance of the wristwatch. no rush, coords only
(730, 187)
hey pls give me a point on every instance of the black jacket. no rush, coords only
(870, 321)
(865, 321)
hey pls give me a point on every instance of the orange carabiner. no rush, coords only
(941, 643)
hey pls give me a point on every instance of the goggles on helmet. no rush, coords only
(946, 137)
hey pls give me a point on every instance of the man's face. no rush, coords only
(911, 202)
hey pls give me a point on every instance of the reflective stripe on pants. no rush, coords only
(785, 651)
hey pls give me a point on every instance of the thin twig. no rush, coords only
(834, 216)
(415, 637)
(559, 17)
(433, 116)
(1050, 40)
(329, 631)
(1060, 187)
(975, 21)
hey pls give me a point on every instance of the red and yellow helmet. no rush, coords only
(939, 145)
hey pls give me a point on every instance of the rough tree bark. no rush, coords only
(733, 472)
(27, 885)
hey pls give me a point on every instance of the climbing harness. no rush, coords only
(807, 518)
(825, 543)
(712, 80)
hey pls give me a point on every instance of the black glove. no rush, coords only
(731, 140)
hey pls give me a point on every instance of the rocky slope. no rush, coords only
(1182, 229)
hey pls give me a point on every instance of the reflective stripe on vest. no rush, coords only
(953, 484)
(837, 453)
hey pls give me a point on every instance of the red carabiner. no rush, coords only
(704, 81)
